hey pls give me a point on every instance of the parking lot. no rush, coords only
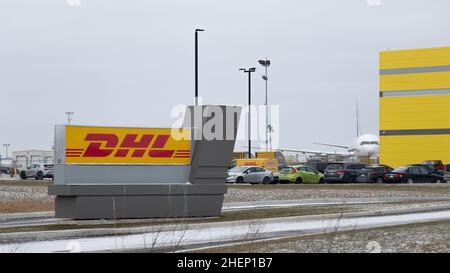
(254, 171)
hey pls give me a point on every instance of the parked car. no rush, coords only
(372, 174)
(342, 172)
(436, 164)
(447, 172)
(413, 174)
(6, 165)
(37, 171)
(5, 170)
(320, 166)
(430, 168)
(299, 174)
(252, 175)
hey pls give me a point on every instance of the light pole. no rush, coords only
(266, 64)
(249, 71)
(6, 149)
(69, 117)
(196, 64)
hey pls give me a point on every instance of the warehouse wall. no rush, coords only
(414, 106)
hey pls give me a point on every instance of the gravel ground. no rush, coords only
(388, 207)
(243, 193)
(36, 191)
(13, 192)
(24, 198)
(7, 177)
(421, 238)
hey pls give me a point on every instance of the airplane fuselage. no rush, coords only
(366, 145)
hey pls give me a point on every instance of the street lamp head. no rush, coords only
(265, 63)
(251, 69)
(199, 29)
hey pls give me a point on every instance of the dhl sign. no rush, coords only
(112, 145)
(253, 163)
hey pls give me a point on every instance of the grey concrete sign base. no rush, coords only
(137, 201)
(118, 191)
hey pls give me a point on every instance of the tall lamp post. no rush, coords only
(249, 71)
(69, 117)
(196, 64)
(6, 149)
(266, 63)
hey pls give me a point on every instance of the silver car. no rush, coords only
(37, 171)
(252, 175)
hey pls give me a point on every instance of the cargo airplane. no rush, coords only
(364, 145)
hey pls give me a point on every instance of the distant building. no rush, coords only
(28, 157)
(414, 106)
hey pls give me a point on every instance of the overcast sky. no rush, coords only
(128, 62)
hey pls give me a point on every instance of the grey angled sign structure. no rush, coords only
(117, 173)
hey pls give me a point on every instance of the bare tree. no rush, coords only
(252, 231)
(181, 230)
(155, 232)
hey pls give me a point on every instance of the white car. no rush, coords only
(252, 175)
(37, 171)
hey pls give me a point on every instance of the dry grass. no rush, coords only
(26, 183)
(25, 196)
(26, 205)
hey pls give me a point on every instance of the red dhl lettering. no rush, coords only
(105, 145)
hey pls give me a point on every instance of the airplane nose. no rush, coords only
(369, 150)
(373, 149)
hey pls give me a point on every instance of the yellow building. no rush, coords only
(414, 106)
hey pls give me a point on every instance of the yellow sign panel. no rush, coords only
(115, 145)
(266, 155)
(266, 163)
